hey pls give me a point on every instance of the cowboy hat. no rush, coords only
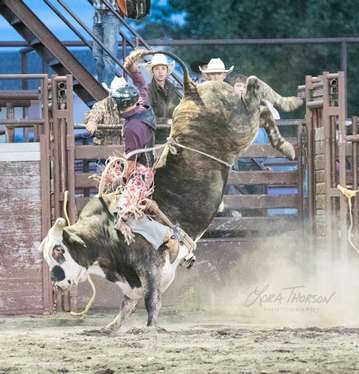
(216, 65)
(116, 83)
(159, 59)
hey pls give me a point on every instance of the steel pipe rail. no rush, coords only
(95, 38)
(137, 35)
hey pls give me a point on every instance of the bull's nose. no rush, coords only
(57, 274)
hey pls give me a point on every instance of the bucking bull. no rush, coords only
(211, 126)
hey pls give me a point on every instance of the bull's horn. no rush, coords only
(57, 229)
(60, 222)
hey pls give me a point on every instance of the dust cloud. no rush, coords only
(280, 282)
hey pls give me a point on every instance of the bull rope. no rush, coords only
(349, 194)
(171, 145)
(92, 298)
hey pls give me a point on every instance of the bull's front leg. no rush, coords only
(127, 308)
(261, 91)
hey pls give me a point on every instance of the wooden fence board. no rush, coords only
(21, 181)
(94, 152)
(10, 195)
(19, 168)
(260, 201)
(20, 207)
(288, 178)
(263, 224)
(82, 180)
(268, 177)
(21, 275)
(262, 150)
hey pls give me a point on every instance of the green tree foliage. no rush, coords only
(284, 67)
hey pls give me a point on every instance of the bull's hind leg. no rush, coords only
(152, 298)
(263, 92)
(276, 139)
(127, 308)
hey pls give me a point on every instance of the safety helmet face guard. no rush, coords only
(125, 96)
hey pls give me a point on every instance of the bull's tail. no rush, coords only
(287, 104)
(188, 85)
(276, 139)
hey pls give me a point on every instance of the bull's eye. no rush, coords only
(57, 274)
(58, 254)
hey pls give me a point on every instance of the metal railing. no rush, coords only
(342, 42)
(85, 42)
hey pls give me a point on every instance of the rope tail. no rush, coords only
(349, 194)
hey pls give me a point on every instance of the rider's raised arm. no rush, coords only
(138, 81)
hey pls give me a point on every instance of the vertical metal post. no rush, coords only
(45, 65)
(300, 172)
(309, 122)
(328, 166)
(342, 160)
(9, 131)
(355, 172)
(56, 167)
(45, 192)
(344, 66)
(24, 86)
(70, 148)
(124, 51)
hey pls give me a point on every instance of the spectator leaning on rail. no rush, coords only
(106, 28)
(164, 96)
(105, 112)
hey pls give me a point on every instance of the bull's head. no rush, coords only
(65, 271)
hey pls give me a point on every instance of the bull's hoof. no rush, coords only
(100, 332)
(288, 150)
(156, 329)
(147, 330)
(136, 331)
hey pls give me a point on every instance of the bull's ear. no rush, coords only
(73, 239)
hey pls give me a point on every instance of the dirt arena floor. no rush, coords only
(276, 310)
(195, 342)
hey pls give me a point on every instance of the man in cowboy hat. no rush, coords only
(215, 70)
(164, 96)
(105, 112)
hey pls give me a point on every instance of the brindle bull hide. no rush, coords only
(189, 188)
